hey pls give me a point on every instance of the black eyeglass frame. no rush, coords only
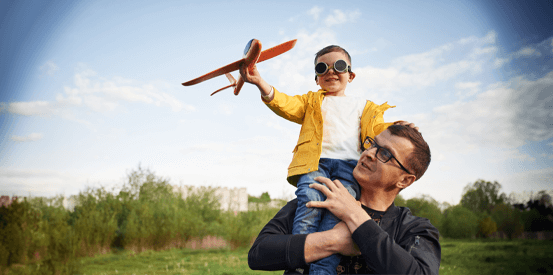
(346, 69)
(372, 142)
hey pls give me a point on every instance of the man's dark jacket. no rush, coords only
(396, 243)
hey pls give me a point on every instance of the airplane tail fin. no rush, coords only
(232, 83)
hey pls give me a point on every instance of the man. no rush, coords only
(375, 236)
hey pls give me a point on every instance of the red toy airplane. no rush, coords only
(252, 55)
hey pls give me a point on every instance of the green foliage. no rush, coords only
(459, 223)
(262, 199)
(482, 196)
(400, 201)
(426, 207)
(508, 220)
(242, 228)
(486, 227)
(14, 233)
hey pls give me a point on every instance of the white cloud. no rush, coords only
(99, 95)
(225, 108)
(31, 108)
(49, 68)
(499, 62)
(418, 71)
(30, 137)
(35, 182)
(315, 12)
(467, 89)
(339, 17)
(506, 115)
(527, 52)
(511, 154)
(529, 180)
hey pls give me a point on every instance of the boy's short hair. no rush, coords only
(329, 49)
(417, 162)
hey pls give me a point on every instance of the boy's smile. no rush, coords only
(332, 82)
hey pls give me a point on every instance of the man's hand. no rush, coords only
(405, 123)
(344, 242)
(340, 202)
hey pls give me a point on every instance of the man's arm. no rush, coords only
(418, 251)
(277, 249)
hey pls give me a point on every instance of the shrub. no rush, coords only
(508, 220)
(486, 227)
(459, 222)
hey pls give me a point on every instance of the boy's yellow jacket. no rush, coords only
(306, 110)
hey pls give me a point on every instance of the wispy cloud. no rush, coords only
(340, 17)
(417, 71)
(467, 89)
(49, 68)
(506, 115)
(30, 137)
(99, 95)
(315, 12)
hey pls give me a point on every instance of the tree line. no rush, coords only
(484, 212)
(145, 214)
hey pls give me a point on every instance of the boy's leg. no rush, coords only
(342, 171)
(307, 220)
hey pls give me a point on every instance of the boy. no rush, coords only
(330, 137)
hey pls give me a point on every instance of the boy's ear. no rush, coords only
(351, 76)
(317, 80)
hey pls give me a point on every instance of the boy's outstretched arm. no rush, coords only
(255, 78)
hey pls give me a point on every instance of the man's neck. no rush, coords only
(376, 199)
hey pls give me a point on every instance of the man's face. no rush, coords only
(372, 173)
(333, 82)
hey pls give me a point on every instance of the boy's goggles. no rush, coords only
(340, 66)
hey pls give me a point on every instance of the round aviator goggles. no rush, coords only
(340, 66)
(382, 153)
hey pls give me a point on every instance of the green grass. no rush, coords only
(496, 257)
(174, 261)
(458, 257)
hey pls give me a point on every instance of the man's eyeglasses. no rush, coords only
(382, 153)
(340, 66)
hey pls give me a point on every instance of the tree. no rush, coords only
(508, 220)
(459, 222)
(482, 196)
(426, 207)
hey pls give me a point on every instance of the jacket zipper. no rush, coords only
(417, 238)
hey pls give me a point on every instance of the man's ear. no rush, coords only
(405, 181)
(351, 76)
(317, 80)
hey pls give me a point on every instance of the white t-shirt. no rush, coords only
(341, 127)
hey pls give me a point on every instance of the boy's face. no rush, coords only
(332, 82)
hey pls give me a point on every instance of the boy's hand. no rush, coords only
(250, 76)
(253, 77)
(405, 123)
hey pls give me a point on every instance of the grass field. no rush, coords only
(458, 257)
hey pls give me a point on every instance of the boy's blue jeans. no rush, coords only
(310, 220)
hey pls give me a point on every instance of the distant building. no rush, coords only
(230, 199)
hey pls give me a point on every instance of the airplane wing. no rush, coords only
(265, 55)
(276, 50)
(223, 70)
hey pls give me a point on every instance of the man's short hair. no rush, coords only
(329, 49)
(418, 160)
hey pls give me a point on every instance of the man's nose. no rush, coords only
(370, 153)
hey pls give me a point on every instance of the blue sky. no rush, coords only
(90, 90)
